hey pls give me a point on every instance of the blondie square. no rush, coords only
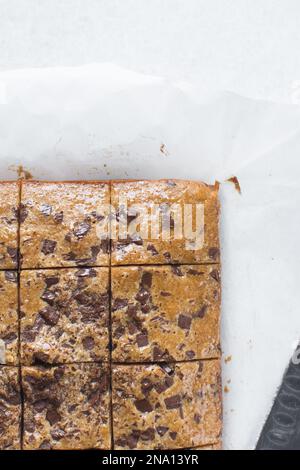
(165, 313)
(10, 408)
(168, 406)
(60, 224)
(66, 407)
(64, 315)
(9, 202)
(9, 328)
(169, 222)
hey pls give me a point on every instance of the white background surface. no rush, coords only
(247, 46)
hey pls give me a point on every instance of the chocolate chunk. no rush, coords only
(142, 296)
(48, 296)
(46, 209)
(29, 425)
(146, 386)
(40, 405)
(9, 338)
(201, 312)
(153, 250)
(146, 281)
(45, 445)
(167, 256)
(173, 435)
(133, 327)
(184, 322)
(11, 276)
(161, 387)
(87, 272)
(167, 368)
(71, 256)
(142, 340)
(132, 311)
(190, 354)
(49, 315)
(48, 247)
(40, 358)
(13, 253)
(194, 272)
(119, 332)
(133, 439)
(105, 245)
(197, 418)
(23, 213)
(51, 281)
(144, 406)
(88, 343)
(165, 294)
(157, 353)
(95, 250)
(119, 303)
(213, 253)
(57, 434)
(59, 373)
(58, 217)
(148, 434)
(176, 270)
(161, 430)
(81, 229)
(215, 275)
(53, 416)
(173, 402)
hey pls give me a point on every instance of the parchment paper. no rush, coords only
(101, 121)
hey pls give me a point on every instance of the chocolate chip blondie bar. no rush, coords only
(9, 326)
(66, 407)
(9, 206)
(58, 224)
(168, 406)
(64, 315)
(160, 207)
(10, 408)
(165, 313)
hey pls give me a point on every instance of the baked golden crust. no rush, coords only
(138, 250)
(163, 313)
(10, 408)
(66, 407)
(216, 446)
(59, 223)
(65, 315)
(9, 202)
(9, 327)
(168, 407)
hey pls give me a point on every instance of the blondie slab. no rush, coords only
(168, 407)
(9, 202)
(9, 327)
(64, 315)
(66, 407)
(10, 408)
(60, 222)
(181, 246)
(165, 313)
